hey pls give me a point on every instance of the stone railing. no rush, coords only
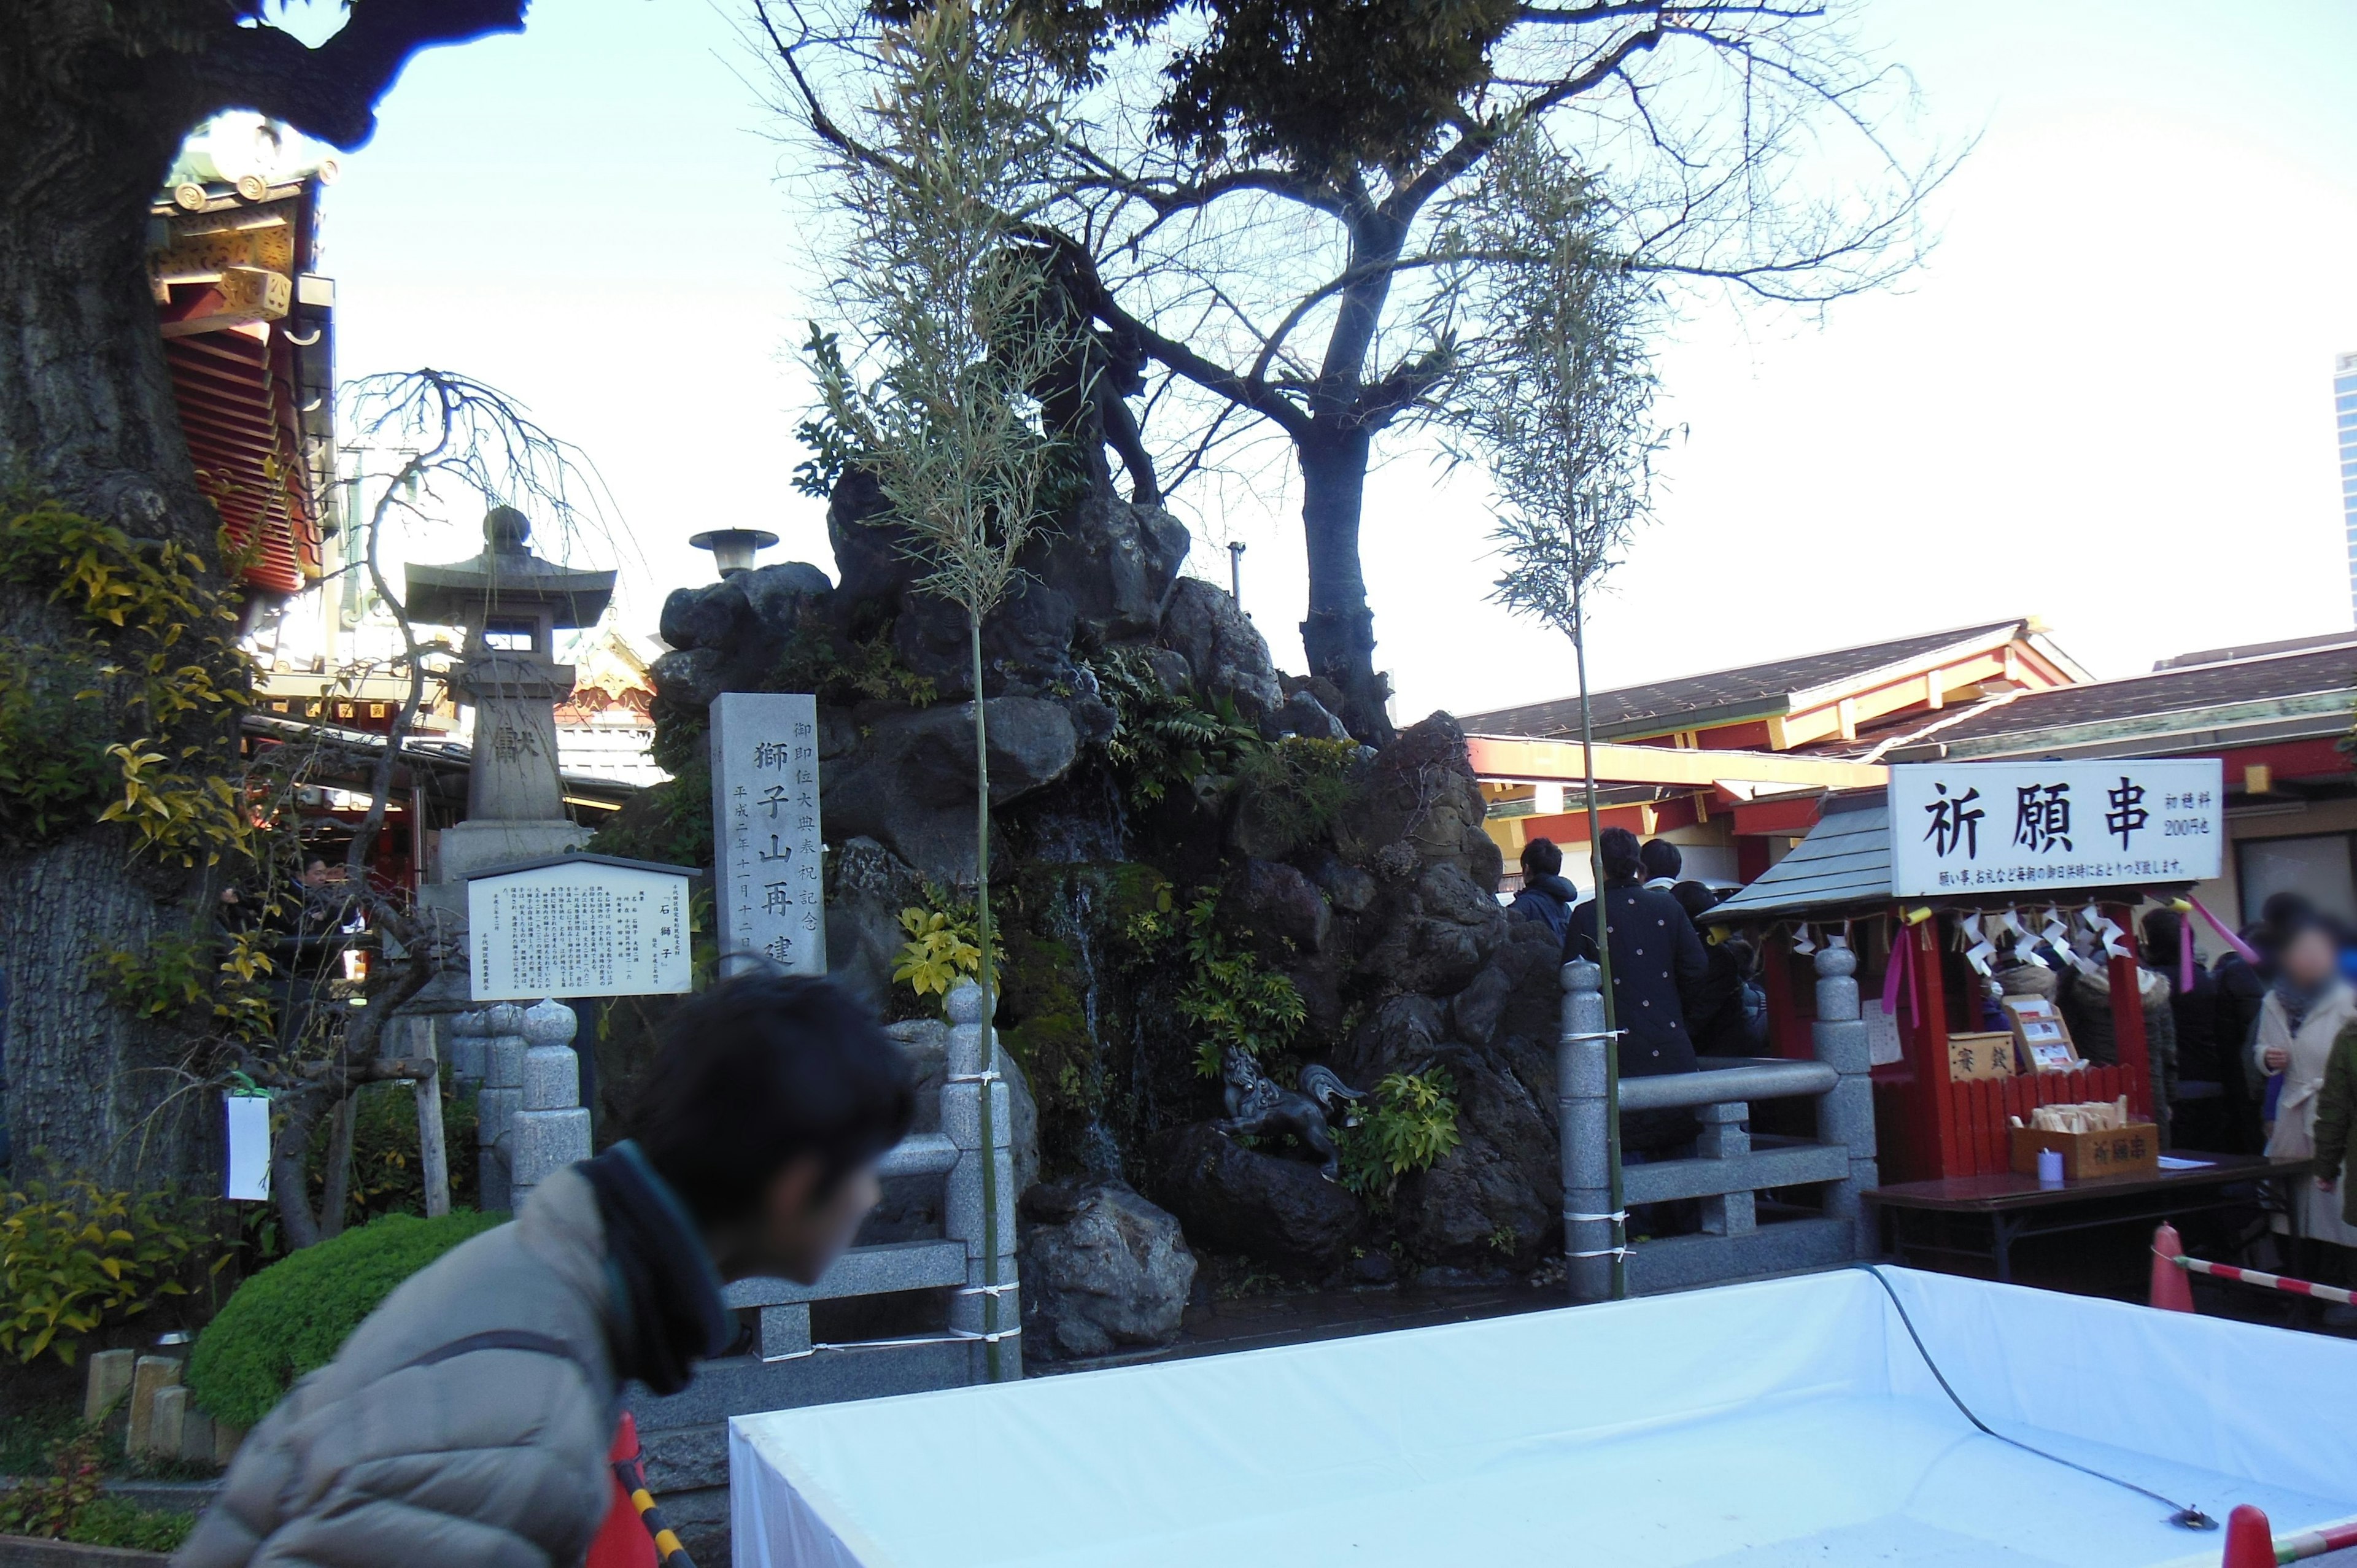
(1730, 1167)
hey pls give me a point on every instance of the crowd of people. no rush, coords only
(2257, 1055)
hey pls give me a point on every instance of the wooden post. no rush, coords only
(1941, 1151)
(433, 1154)
(1786, 1037)
(2128, 1017)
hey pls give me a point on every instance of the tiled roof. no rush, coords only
(2325, 675)
(1752, 690)
(1844, 859)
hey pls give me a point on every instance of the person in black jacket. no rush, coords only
(1657, 961)
(1546, 896)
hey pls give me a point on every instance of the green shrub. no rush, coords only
(73, 1256)
(1407, 1125)
(112, 1521)
(1297, 790)
(47, 1506)
(1229, 997)
(293, 1317)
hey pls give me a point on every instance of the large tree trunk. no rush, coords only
(86, 416)
(1338, 633)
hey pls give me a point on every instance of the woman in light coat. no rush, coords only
(2305, 1010)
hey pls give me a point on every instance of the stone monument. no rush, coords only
(510, 604)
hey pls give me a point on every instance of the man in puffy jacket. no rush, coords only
(1546, 896)
(467, 1420)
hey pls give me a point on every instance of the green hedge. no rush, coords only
(294, 1316)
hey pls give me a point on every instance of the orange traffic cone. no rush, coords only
(2250, 1543)
(2171, 1290)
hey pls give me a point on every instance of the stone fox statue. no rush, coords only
(1260, 1107)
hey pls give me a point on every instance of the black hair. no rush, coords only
(759, 1071)
(1624, 861)
(2286, 913)
(1662, 859)
(1542, 857)
(2163, 931)
(1694, 898)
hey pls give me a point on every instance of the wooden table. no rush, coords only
(2016, 1205)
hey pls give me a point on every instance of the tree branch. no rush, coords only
(331, 92)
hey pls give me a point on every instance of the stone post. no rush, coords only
(502, 1096)
(551, 1125)
(1725, 1135)
(971, 1070)
(466, 1033)
(1581, 1112)
(1845, 1113)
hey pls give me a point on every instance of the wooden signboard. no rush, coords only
(1974, 1057)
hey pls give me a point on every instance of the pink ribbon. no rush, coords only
(2184, 957)
(2249, 954)
(1898, 975)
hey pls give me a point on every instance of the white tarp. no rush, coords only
(1786, 1423)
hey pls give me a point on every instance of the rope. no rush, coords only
(1614, 1218)
(2182, 1514)
(954, 1336)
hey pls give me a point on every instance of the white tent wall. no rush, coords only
(1786, 1422)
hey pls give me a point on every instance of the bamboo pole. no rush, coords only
(1603, 956)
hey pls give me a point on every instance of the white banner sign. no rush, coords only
(765, 830)
(581, 928)
(2003, 827)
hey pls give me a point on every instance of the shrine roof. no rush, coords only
(1753, 690)
(2303, 692)
(1844, 860)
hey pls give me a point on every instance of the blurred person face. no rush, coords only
(2309, 959)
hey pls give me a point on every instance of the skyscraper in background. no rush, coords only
(2345, 405)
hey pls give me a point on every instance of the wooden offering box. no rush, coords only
(2132, 1150)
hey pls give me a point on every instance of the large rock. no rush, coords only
(870, 549)
(905, 777)
(1496, 1197)
(1435, 935)
(1226, 653)
(1235, 1199)
(867, 887)
(1421, 794)
(1103, 1271)
(1277, 904)
(1026, 642)
(1116, 560)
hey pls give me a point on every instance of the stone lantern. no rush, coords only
(511, 603)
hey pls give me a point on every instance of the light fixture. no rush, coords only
(732, 548)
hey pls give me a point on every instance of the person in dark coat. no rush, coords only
(1715, 1012)
(1663, 863)
(1546, 896)
(1657, 960)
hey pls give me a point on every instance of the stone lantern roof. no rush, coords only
(507, 578)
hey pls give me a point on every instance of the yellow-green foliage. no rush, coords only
(944, 945)
(73, 1255)
(122, 718)
(1407, 1124)
(293, 1317)
(180, 970)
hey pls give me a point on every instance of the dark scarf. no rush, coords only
(660, 1273)
(2298, 1000)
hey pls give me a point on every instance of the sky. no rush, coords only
(2105, 400)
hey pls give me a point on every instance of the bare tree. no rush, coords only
(276, 1021)
(1559, 407)
(947, 299)
(1270, 185)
